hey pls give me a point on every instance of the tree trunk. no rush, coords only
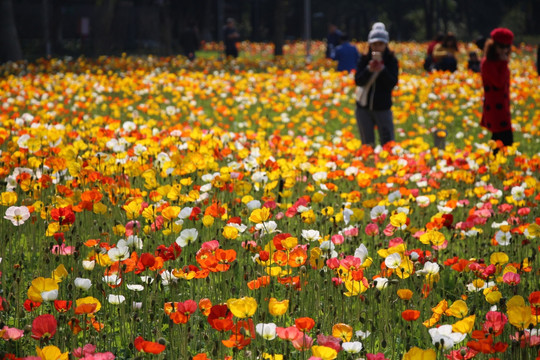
(104, 14)
(10, 48)
(279, 26)
(165, 28)
(428, 17)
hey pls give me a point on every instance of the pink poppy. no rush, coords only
(11, 333)
(303, 342)
(338, 239)
(62, 249)
(372, 229)
(511, 278)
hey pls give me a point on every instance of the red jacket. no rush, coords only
(496, 79)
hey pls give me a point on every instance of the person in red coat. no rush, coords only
(496, 115)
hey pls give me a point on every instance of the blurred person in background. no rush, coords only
(333, 39)
(429, 62)
(496, 116)
(347, 55)
(376, 76)
(189, 40)
(230, 38)
(444, 54)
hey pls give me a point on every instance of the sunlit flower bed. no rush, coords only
(159, 208)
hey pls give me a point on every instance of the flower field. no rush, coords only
(155, 208)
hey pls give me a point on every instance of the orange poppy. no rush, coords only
(297, 257)
(148, 346)
(205, 305)
(410, 315)
(201, 356)
(85, 308)
(280, 258)
(304, 324)
(224, 258)
(238, 341)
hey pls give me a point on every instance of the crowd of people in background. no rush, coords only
(376, 74)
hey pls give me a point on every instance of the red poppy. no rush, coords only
(245, 327)
(534, 300)
(30, 305)
(168, 253)
(410, 315)
(62, 305)
(278, 238)
(64, 216)
(264, 255)
(44, 327)
(148, 346)
(220, 318)
(304, 324)
(180, 312)
(494, 323)
(2, 302)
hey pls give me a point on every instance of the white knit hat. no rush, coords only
(378, 33)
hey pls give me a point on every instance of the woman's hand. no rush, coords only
(375, 65)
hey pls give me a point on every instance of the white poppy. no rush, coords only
(83, 283)
(311, 235)
(254, 204)
(49, 295)
(135, 287)
(118, 253)
(267, 331)
(116, 299)
(353, 347)
(187, 236)
(381, 283)
(17, 214)
(88, 264)
(392, 261)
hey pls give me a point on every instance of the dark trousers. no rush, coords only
(507, 137)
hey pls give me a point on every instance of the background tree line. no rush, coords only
(37, 28)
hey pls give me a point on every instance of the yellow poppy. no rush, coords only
(324, 352)
(405, 294)
(458, 309)
(308, 217)
(171, 212)
(493, 297)
(398, 220)
(43, 289)
(100, 208)
(243, 307)
(432, 237)
(464, 326)
(260, 215)
(278, 308)
(289, 242)
(342, 331)
(60, 273)
(51, 352)
(230, 232)
(498, 258)
(520, 316)
(416, 353)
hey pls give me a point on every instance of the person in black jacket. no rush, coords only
(377, 74)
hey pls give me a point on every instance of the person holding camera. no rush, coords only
(376, 76)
